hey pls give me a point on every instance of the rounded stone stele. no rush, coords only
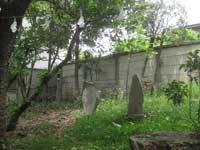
(89, 98)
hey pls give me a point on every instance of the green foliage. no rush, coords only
(192, 35)
(141, 42)
(97, 14)
(177, 36)
(85, 55)
(43, 76)
(148, 26)
(192, 62)
(176, 91)
(23, 54)
(74, 102)
(192, 65)
(132, 45)
(12, 106)
(138, 43)
(52, 26)
(30, 39)
(49, 25)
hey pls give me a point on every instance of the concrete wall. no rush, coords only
(110, 73)
(102, 73)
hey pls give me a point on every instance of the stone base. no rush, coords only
(166, 141)
(135, 116)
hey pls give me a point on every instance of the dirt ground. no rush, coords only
(58, 119)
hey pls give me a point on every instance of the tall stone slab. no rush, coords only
(90, 98)
(136, 99)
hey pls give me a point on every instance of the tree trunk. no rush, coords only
(145, 66)
(3, 68)
(22, 86)
(157, 75)
(127, 76)
(29, 84)
(50, 52)
(152, 40)
(7, 41)
(59, 88)
(11, 81)
(76, 70)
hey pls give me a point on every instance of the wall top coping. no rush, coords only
(116, 55)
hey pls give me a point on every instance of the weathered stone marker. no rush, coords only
(136, 99)
(165, 141)
(90, 98)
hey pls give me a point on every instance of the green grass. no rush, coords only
(108, 128)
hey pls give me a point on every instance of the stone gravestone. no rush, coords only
(136, 99)
(90, 98)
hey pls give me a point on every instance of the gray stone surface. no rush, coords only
(166, 141)
(90, 98)
(136, 99)
(171, 57)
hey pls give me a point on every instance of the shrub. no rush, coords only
(176, 91)
(74, 102)
(43, 76)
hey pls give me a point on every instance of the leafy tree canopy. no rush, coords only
(150, 24)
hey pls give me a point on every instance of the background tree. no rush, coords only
(154, 19)
(24, 53)
(96, 16)
(177, 36)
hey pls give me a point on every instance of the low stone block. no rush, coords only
(166, 141)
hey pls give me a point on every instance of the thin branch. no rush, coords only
(55, 57)
(30, 78)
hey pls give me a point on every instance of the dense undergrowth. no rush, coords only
(107, 129)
